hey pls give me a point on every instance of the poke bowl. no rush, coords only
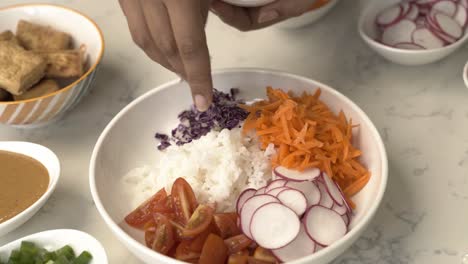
(228, 169)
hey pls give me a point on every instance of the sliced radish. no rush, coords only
(425, 2)
(464, 3)
(260, 191)
(448, 25)
(325, 199)
(425, 38)
(244, 196)
(335, 194)
(400, 32)
(275, 184)
(276, 191)
(390, 15)
(461, 15)
(447, 7)
(324, 225)
(252, 204)
(346, 204)
(293, 199)
(318, 247)
(340, 209)
(413, 13)
(420, 21)
(309, 189)
(408, 46)
(293, 175)
(274, 225)
(346, 219)
(300, 247)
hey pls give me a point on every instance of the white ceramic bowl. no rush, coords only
(52, 164)
(45, 109)
(112, 159)
(249, 3)
(368, 31)
(307, 18)
(55, 239)
(465, 75)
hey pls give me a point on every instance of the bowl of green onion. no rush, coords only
(64, 246)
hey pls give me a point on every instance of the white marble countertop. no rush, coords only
(421, 112)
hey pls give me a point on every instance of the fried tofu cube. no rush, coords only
(65, 63)
(41, 38)
(44, 87)
(4, 95)
(20, 69)
(8, 36)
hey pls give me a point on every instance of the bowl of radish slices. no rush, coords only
(415, 32)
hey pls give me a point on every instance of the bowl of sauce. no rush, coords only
(28, 175)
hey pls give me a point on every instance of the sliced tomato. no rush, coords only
(214, 251)
(237, 243)
(237, 259)
(164, 238)
(252, 260)
(184, 253)
(200, 221)
(226, 225)
(144, 213)
(196, 244)
(150, 229)
(184, 201)
(264, 254)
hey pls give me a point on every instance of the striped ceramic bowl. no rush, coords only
(43, 110)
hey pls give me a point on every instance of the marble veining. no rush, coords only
(421, 113)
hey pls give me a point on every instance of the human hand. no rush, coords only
(246, 19)
(172, 33)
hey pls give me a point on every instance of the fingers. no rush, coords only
(189, 33)
(283, 9)
(140, 31)
(237, 17)
(158, 22)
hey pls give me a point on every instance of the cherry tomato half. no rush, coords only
(144, 213)
(183, 200)
(199, 221)
(237, 243)
(226, 225)
(214, 251)
(164, 238)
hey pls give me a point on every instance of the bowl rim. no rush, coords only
(91, 69)
(372, 41)
(60, 232)
(46, 195)
(135, 245)
(465, 74)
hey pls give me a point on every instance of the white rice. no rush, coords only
(218, 166)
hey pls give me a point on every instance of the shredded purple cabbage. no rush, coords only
(223, 113)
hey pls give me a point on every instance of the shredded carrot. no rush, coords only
(307, 134)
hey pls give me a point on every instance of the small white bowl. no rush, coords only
(52, 164)
(368, 31)
(55, 239)
(307, 18)
(249, 3)
(111, 160)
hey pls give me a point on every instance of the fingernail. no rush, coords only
(201, 103)
(268, 16)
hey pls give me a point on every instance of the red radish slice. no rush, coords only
(448, 25)
(318, 248)
(464, 3)
(293, 175)
(252, 204)
(293, 199)
(260, 191)
(434, 27)
(420, 21)
(426, 2)
(461, 15)
(390, 15)
(447, 7)
(323, 225)
(335, 194)
(309, 189)
(340, 209)
(408, 46)
(400, 32)
(425, 38)
(274, 226)
(413, 13)
(300, 247)
(346, 219)
(244, 196)
(346, 204)
(406, 7)
(325, 199)
(276, 191)
(275, 184)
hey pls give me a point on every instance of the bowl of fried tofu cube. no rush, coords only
(49, 57)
